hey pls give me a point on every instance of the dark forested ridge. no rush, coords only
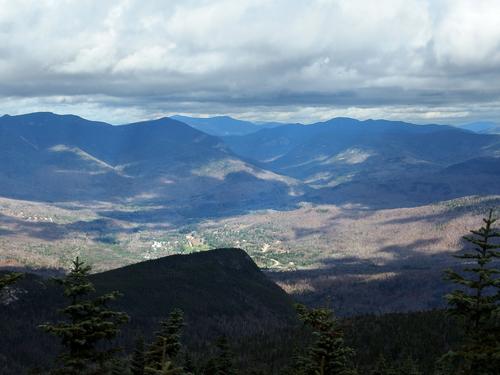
(222, 293)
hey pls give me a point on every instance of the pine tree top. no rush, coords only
(88, 321)
(477, 302)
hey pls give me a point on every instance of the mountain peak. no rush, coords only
(341, 121)
(482, 127)
(48, 118)
(219, 125)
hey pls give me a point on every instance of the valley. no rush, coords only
(344, 212)
(318, 253)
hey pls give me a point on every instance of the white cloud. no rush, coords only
(468, 34)
(288, 58)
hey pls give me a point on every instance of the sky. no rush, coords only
(425, 61)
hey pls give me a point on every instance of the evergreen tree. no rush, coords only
(408, 367)
(383, 368)
(166, 368)
(189, 367)
(118, 367)
(5, 281)
(88, 322)
(9, 279)
(223, 363)
(210, 367)
(476, 303)
(166, 344)
(328, 354)
(138, 361)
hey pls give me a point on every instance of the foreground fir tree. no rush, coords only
(328, 355)
(476, 304)
(118, 367)
(383, 368)
(88, 323)
(162, 353)
(138, 361)
(223, 363)
(189, 366)
(166, 368)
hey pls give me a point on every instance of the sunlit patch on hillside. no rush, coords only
(220, 169)
(350, 156)
(82, 155)
(297, 287)
(329, 179)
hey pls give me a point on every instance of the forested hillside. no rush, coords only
(344, 214)
(234, 320)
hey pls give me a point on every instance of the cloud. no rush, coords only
(125, 60)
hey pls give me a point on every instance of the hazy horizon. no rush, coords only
(254, 121)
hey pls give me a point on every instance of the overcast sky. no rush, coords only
(285, 60)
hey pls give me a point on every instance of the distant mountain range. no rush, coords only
(288, 194)
(224, 125)
(49, 157)
(376, 162)
(482, 127)
(165, 162)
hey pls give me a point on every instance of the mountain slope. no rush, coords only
(482, 127)
(224, 282)
(56, 158)
(220, 291)
(169, 169)
(350, 155)
(223, 125)
(283, 146)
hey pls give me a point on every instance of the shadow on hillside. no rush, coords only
(192, 198)
(410, 280)
(475, 204)
(406, 192)
(238, 193)
(49, 231)
(5, 232)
